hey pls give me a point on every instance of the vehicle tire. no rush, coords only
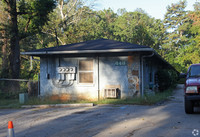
(189, 107)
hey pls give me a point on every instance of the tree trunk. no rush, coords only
(14, 41)
(14, 57)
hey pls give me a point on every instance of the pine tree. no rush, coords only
(177, 26)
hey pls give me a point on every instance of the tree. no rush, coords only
(61, 27)
(14, 39)
(139, 28)
(26, 18)
(177, 24)
(190, 54)
(4, 41)
(195, 29)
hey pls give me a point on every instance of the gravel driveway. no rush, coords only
(162, 120)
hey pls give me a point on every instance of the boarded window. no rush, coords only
(86, 65)
(86, 71)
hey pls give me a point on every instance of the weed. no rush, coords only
(9, 103)
(146, 100)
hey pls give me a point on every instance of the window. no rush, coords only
(86, 71)
(194, 71)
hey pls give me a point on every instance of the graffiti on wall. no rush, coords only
(133, 75)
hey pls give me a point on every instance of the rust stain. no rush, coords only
(130, 60)
(135, 72)
(137, 87)
(69, 97)
(54, 97)
(64, 97)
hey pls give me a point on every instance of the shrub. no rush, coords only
(166, 78)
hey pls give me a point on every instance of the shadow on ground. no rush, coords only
(167, 120)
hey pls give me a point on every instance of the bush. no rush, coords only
(166, 79)
(33, 88)
(9, 95)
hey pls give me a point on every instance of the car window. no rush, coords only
(194, 71)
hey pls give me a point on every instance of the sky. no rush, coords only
(155, 8)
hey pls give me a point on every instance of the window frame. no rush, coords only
(87, 71)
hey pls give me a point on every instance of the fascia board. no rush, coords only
(85, 51)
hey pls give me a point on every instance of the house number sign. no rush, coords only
(120, 63)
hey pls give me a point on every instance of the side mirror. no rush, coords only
(182, 75)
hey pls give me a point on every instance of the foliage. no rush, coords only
(9, 103)
(24, 18)
(176, 38)
(166, 78)
(181, 42)
(33, 15)
(4, 71)
(137, 27)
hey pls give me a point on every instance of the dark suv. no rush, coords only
(192, 88)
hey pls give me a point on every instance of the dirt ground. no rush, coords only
(162, 120)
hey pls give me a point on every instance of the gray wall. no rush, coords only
(52, 87)
(113, 72)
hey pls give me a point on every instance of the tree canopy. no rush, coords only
(34, 24)
(25, 18)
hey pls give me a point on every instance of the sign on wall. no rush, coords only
(120, 63)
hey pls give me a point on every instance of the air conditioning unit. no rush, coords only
(110, 93)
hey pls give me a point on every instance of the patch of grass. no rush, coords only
(9, 103)
(146, 100)
(40, 101)
(44, 101)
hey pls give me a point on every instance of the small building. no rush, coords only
(98, 69)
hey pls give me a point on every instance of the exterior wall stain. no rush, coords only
(133, 75)
(120, 72)
(75, 91)
(65, 97)
(113, 75)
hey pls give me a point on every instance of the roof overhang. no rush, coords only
(108, 51)
(38, 53)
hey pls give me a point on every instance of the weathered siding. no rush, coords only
(119, 72)
(74, 91)
(113, 73)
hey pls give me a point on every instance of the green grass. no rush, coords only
(43, 101)
(146, 100)
(9, 103)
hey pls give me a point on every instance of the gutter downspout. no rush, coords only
(38, 84)
(47, 61)
(145, 56)
(98, 77)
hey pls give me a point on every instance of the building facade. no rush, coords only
(98, 69)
